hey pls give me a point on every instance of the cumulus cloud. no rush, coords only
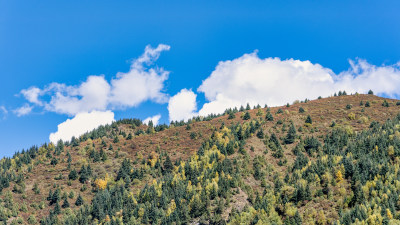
(155, 119)
(71, 100)
(182, 106)
(272, 81)
(128, 89)
(23, 110)
(362, 76)
(80, 124)
(138, 85)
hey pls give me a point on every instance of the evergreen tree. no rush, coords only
(260, 134)
(246, 116)
(269, 117)
(73, 175)
(309, 120)
(65, 203)
(129, 136)
(116, 139)
(231, 115)
(291, 135)
(57, 209)
(168, 164)
(79, 201)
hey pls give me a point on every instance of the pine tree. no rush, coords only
(309, 120)
(291, 135)
(73, 175)
(231, 116)
(168, 164)
(65, 203)
(269, 117)
(36, 189)
(260, 134)
(79, 201)
(246, 116)
(129, 136)
(57, 209)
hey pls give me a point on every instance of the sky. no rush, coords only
(68, 66)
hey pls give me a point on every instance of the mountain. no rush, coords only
(332, 160)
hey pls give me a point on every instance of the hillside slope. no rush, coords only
(326, 161)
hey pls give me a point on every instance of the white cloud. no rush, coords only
(182, 106)
(32, 95)
(128, 89)
(138, 85)
(272, 81)
(155, 119)
(80, 124)
(93, 94)
(3, 111)
(362, 76)
(23, 110)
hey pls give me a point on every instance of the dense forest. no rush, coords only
(328, 161)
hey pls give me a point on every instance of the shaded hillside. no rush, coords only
(324, 161)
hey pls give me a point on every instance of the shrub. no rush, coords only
(193, 135)
(301, 110)
(367, 104)
(32, 219)
(351, 116)
(348, 106)
(385, 103)
(370, 92)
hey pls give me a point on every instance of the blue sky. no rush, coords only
(66, 41)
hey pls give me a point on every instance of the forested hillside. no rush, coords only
(328, 161)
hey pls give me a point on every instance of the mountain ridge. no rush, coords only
(146, 149)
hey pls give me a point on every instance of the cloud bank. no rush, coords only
(80, 124)
(247, 79)
(128, 89)
(91, 101)
(272, 81)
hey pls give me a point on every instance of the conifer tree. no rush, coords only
(79, 201)
(246, 116)
(291, 135)
(269, 117)
(168, 164)
(309, 120)
(65, 203)
(57, 209)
